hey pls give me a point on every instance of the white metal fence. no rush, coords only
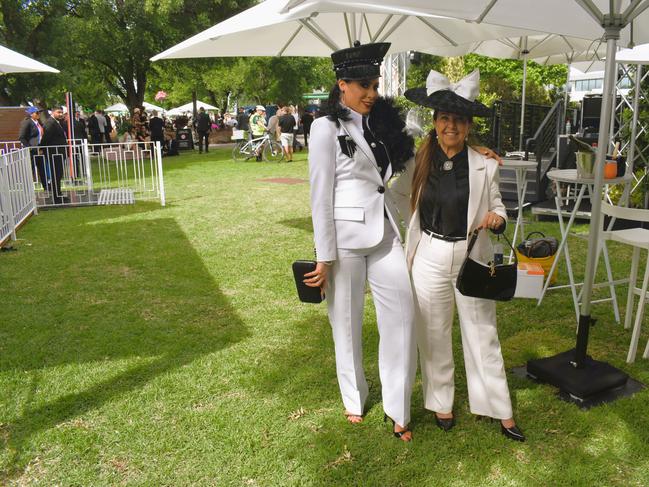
(84, 174)
(9, 146)
(75, 174)
(17, 198)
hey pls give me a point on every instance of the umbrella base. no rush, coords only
(583, 384)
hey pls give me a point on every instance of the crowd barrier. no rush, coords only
(75, 174)
(17, 196)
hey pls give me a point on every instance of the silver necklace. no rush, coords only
(447, 166)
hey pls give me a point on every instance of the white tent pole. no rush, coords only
(634, 124)
(566, 96)
(611, 36)
(525, 52)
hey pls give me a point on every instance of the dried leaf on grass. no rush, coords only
(297, 414)
(346, 457)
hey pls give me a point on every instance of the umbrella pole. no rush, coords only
(525, 52)
(612, 35)
(580, 378)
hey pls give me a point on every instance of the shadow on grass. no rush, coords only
(130, 301)
(298, 223)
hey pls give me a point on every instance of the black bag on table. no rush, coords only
(541, 246)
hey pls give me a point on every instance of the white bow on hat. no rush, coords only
(468, 87)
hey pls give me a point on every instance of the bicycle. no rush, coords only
(271, 150)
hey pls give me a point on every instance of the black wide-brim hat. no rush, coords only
(445, 98)
(363, 61)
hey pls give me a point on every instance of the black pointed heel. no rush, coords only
(445, 424)
(398, 434)
(513, 433)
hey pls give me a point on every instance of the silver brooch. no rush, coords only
(447, 166)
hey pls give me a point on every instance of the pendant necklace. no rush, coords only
(447, 166)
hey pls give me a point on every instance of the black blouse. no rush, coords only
(444, 203)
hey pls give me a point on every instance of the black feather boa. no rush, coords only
(387, 123)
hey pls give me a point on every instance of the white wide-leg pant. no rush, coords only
(384, 267)
(434, 273)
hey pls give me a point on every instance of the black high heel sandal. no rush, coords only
(513, 433)
(445, 424)
(398, 434)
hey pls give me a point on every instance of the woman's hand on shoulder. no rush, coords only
(488, 153)
(492, 221)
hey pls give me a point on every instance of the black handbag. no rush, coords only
(538, 247)
(307, 294)
(496, 282)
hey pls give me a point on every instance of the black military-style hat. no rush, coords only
(363, 61)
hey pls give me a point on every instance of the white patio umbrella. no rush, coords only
(149, 107)
(263, 31)
(117, 108)
(189, 107)
(14, 62)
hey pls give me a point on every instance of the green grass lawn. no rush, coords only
(142, 345)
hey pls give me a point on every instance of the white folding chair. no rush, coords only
(638, 238)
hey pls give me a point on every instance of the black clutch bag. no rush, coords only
(306, 293)
(496, 282)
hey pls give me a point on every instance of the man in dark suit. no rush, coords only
(307, 120)
(96, 136)
(203, 127)
(31, 133)
(157, 128)
(55, 140)
(80, 132)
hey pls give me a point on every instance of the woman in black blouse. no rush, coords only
(454, 191)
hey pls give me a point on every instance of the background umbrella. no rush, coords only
(313, 33)
(188, 107)
(13, 62)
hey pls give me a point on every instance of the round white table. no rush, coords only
(570, 176)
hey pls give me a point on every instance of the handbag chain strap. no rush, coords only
(474, 238)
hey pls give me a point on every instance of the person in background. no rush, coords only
(55, 139)
(455, 190)
(242, 120)
(287, 133)
(96, 135)
(80, 132)
(31, 135)
(273, 128)
(306, 121)
(258, 126)
(203, 129)
(109, 128)
(156, 126)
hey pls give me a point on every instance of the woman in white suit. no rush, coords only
(353, 152)
(454, 191)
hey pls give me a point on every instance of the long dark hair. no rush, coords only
(424, 163)
(332, 108)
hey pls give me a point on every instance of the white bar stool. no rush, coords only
(638, 238)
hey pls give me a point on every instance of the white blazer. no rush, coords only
(484, 196)
(348, 195)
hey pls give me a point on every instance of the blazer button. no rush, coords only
(381, 189)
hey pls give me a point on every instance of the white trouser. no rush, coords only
(384, 267)
(434, 273)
